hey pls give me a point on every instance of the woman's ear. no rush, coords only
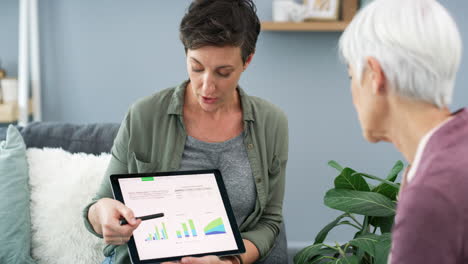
(248, 60)
(378, 78)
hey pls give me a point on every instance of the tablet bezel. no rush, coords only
(133, 252)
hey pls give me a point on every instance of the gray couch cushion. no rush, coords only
(3, 133)
(88, 138)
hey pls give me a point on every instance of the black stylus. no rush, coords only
(143, 218)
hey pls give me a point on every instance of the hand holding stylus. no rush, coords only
(143, 218)
(105, 216)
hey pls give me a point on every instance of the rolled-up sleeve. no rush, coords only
(117, 165)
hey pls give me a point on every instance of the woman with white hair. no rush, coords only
(403, 57)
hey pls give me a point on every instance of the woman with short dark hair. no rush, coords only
(206, 122)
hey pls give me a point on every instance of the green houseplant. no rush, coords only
(354, 195)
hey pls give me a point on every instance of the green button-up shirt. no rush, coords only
(152, 138)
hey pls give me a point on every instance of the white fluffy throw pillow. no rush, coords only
(61, 185)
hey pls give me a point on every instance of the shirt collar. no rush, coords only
(177, 102)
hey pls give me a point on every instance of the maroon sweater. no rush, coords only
(431, 224)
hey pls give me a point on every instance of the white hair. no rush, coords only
(416, 42)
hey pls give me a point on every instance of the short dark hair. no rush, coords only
(221, 23)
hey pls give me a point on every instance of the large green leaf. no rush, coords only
(395, 170)
(320, 260)
(335, 165)
(322, 235)
(363, 203)
(384, 223)
(389, 191)
(379, 179)
(350, 180)
(347, 260)
(360, 254)
(308, 253)
(382, 248)
(367, 243)
(324, 253)
(358, 234)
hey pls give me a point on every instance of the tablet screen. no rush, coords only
(195, 217)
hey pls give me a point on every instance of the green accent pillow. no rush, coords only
(15, 227)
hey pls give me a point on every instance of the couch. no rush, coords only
(91, 139)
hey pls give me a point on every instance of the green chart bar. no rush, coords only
(165, 231)
(192, 227)
(158, 237)
(185, 230)
(179, 235)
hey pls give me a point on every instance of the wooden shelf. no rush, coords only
(348, 9)
(9, 111)
(304, 26)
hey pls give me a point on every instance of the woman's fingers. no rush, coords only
(201, 260)
(111, 211)
(126, 213)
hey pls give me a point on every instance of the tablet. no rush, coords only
(197, 216)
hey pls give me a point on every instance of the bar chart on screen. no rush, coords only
(185, 232)
(158, 234)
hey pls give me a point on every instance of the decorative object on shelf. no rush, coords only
(288, 10)
(9, 90)
(376, 204)
(9, 102)
(281, 10)
(322, 9)
(347, 10)
(9, 107)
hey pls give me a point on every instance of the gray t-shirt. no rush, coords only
(230, 157)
